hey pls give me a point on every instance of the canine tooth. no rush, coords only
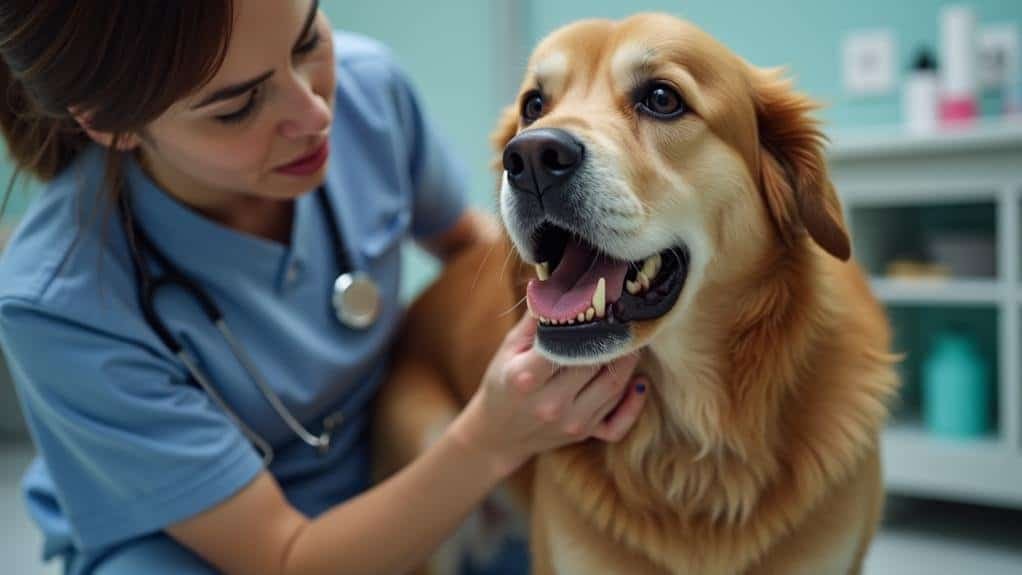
(590, 314)
(651, 267)
(600, 298)
(581, 316)
(543, 271)
(643, 281)
(633, 287)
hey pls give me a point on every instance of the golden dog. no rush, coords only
(672, 199)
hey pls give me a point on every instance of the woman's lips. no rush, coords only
(308, 164)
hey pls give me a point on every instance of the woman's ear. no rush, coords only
(793, 170)
(123, 141)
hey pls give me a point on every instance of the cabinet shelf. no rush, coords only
(939, 291)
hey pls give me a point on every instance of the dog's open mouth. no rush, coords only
(582, 293)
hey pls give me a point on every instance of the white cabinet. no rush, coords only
(908, 200)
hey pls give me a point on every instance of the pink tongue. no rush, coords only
(569, 291)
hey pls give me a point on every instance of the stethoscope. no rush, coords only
(356, 302)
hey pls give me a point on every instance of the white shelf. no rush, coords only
(887, 142)
(919, 463)
(932, 193)
(938, 291)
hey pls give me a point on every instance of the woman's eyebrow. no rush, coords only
(308, 23)
(235, 90)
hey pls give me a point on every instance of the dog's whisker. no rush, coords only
(512, 308)
(503, 267)
(482, 264)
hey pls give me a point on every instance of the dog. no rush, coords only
(662, 196)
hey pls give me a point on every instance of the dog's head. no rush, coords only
(644, 161)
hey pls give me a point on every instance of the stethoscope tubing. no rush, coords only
(139, 243)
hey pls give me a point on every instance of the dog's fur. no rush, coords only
(757, 450)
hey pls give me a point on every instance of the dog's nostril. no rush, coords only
(559, 158)
(514, 164)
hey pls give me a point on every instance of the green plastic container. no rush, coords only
(957, 388)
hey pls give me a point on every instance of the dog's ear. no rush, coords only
(507, 128)
(793, 170)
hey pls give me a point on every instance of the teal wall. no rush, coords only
(804, 35)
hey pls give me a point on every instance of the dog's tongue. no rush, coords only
(569, 290)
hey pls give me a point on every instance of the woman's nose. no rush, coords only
(308, 113)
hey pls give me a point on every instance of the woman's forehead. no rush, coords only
(263, 36)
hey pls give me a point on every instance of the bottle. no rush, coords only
(957, 389)
(958, 104)
(921, 95)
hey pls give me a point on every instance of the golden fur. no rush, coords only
(757, 451)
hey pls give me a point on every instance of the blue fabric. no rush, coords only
(127, 445)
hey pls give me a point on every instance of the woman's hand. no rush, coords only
(526, 404)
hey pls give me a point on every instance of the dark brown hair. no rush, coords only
(120, 63)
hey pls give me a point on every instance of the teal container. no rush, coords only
(957, 388)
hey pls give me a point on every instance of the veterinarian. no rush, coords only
(198, 306)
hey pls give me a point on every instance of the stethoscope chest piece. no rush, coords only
(356, 300)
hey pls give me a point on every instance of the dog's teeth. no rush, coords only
(651, 267)
(600, 298)
(590, 314)
(571, 321)
(633, 287)
(643, 281)
(543, 271)
(581, 317)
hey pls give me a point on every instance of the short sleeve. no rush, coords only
(438, 178)
(131, 446)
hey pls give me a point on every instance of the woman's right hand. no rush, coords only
(526, 404)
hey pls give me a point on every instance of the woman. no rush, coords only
(249, 148)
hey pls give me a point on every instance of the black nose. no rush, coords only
(538, 160)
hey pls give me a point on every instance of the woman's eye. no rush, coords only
(663, 102)
(309, 45)
(532, 107)
(243, 112)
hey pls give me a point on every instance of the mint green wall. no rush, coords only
(804, 35)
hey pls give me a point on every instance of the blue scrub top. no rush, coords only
(127, 445)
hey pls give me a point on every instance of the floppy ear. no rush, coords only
(507, 127)
(793, 171)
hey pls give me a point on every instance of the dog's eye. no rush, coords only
(532, 107)
(662, 102)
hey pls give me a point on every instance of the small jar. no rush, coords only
(957, 388)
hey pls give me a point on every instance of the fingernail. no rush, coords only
(640, 388)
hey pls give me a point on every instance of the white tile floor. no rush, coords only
(918, 537)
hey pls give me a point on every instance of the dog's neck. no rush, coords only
(711, 405)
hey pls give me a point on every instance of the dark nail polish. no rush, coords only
(640, 388)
